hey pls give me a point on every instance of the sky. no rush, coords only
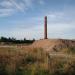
(25, 18)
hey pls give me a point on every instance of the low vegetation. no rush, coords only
(33, 61)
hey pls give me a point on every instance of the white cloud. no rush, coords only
(56, 14)
(19, 6)
(59, 30)
(6, 12)
(7, 5)
(59, 22)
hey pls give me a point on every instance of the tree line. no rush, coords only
(16, 41)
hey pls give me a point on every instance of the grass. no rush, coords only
(33, 61)
(70, 50)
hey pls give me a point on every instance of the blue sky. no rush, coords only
(25, 18)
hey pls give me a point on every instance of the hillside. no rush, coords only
(55, 45)
(33, 60)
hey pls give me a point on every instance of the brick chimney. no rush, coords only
(45, 27)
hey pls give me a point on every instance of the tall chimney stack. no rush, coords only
(45, 27)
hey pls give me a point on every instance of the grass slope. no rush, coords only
(36, 61)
